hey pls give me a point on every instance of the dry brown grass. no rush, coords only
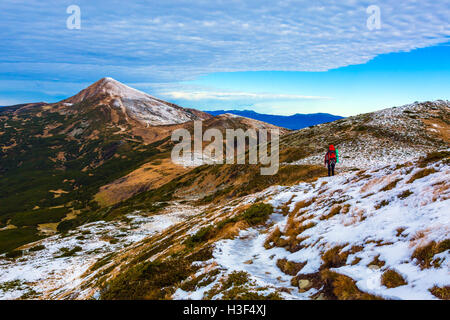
(391, 185)
(334, 258)
(425, 254)
(340, 287)
(381, 204)
(290, 267)
(392, 279)
(421, 174)
(345, 208)
(405, 194)
(302, 204)
(336, 209)
(377, 262)
(441, 292)
(149, 176)
(273, 238)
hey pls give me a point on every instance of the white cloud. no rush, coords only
(178, 40)
(239, 96)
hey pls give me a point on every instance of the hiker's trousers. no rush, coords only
(331, 165)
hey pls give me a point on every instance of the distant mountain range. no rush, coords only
(294, 122)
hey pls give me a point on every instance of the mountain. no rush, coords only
(390, 136)
(134, 104)
(293, 122)
(61, 162)
(124, 222)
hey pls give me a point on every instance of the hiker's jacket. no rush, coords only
(330, 156)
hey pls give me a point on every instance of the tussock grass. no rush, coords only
(392, 279)
(391, 185)
(336, 209)
(340, 287)
(441, 292)
(405, 194)
(334, 258)
(425, 254)
(434, 157)
(237, 286)
(421, 174)
(290, 267)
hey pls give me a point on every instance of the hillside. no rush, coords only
(61, 163)
(369, 234)
(379, 229)
(90, 189)
(293, 122)
(389, 136)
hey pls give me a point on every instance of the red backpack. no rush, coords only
(332, 155)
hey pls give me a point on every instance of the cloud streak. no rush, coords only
(212, 95)
(179, 40)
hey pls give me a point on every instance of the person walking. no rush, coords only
(331, 157)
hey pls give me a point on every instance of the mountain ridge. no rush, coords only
(294, 122)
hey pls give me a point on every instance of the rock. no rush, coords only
(373, 267)
(320, 297)
(303, 284)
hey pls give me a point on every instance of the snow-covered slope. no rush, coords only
(54, 270)
(136, 104)
(384, 137)
(366, 225)
(379, 233)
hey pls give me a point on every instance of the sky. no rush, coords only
(278, 57)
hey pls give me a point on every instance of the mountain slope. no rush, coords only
(293, 122)
(379, 229)
(380, 233)
(60, 161)
(389, 136)
(136, 105)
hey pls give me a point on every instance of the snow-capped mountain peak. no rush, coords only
(135, 104)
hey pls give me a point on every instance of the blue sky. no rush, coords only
(279, 57)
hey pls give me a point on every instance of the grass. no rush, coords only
(256, 214)
(154, 280)
(339, 287)
(434, 157)
(200, 281)
(37, 248)
(66, 252)
(237, 286)
(334, 258)
(101, 262)
(377, 262)
(392, 279)
(391, 185)
(14, 254)
(425, 254)
(441, 292)
(201, 236)
(405, 194)
(14, 238)
(336, 209)
(11, 285)
(289, 267)
(421, 174)
(381, 204)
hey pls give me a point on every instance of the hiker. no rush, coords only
(331, 157)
